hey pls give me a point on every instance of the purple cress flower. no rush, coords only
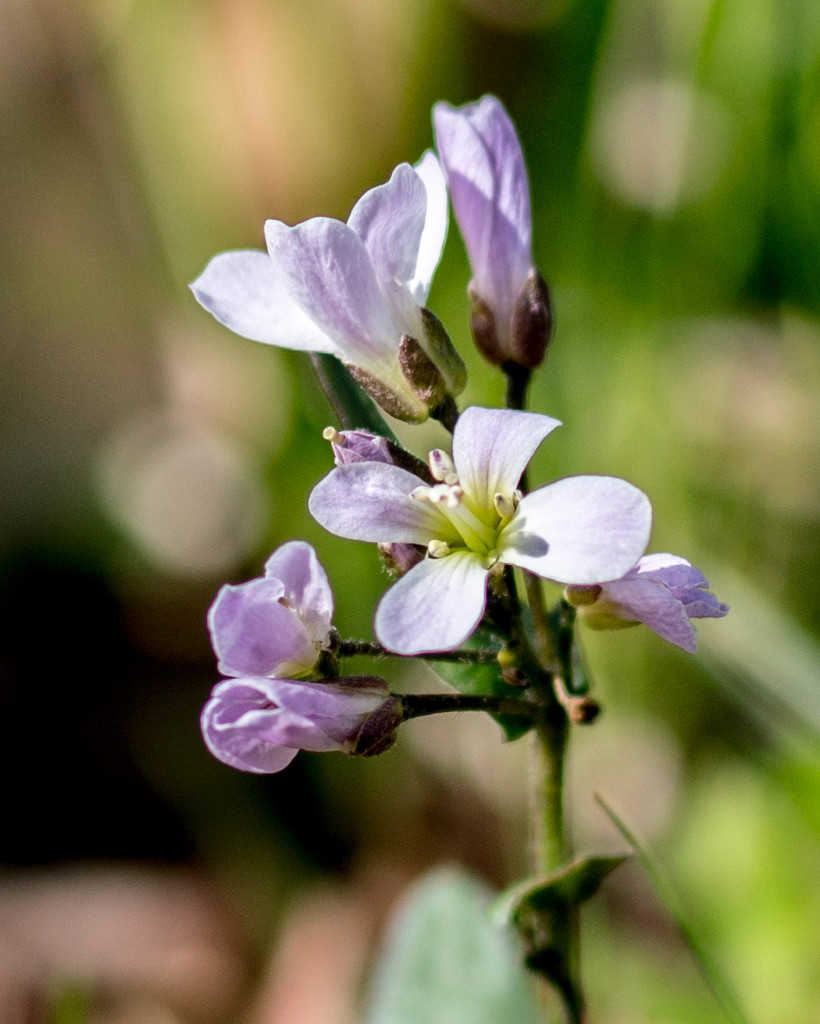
(279, 624)
(259, 725)
(355, 290)
(581, 529)
(662, 591)
(511, 315)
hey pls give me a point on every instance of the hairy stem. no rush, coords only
(417, 705)
(349, 648)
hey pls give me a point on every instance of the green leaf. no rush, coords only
(483, 680)
(445, 962)
(570, 885)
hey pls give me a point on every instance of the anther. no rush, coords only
(332, 434)
(442, 466)
(503, 505)
(438, 548)
(454, 496)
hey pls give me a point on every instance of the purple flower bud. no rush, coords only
(357, 446)
(257, 724)
(511, 314)
(662, 591)
(361, 446)
(278, 624)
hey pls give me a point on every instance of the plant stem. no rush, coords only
(518, 378)
(557, 934)
(349, 648)
(418, 705)
(351, 407)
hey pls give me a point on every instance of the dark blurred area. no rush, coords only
(148, 456)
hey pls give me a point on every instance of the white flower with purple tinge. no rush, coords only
(274, 626)
(259, 725)
(487, 179)
(662, 591)
(278, 624)
(582, 529)
(352, 290)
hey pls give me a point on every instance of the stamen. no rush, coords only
(422, 493)
(503, 505)
(517, 496)
(332, 434)
(454, 496)
(442, 466)
(438, 548)
(490, 559)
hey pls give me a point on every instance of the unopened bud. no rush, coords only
(533, 322)
(582, 710)
(397, 559)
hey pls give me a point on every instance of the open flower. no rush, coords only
(279, 624)
(259, 725)
(662, 591)
(355, 290)
(582, 529)
(511, 316)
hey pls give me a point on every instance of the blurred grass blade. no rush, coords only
(717, 982)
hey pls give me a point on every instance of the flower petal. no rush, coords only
(371, 501)
(329, 274)
(650, 602)
(485, 171)
(244, 292)
(435, 227)
(231, 729)
(435, 607)
(346, 696)
(306, 587)
(254, 634)
(491, 449)
(389, 219)
(583, 529)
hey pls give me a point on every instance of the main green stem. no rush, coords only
(556, 933)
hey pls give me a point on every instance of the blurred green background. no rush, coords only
(148, 456)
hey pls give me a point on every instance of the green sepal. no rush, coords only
(569, 886)
(484, 680)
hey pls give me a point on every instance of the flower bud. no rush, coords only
(662, 591)
(397, 559)
(259, 725)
